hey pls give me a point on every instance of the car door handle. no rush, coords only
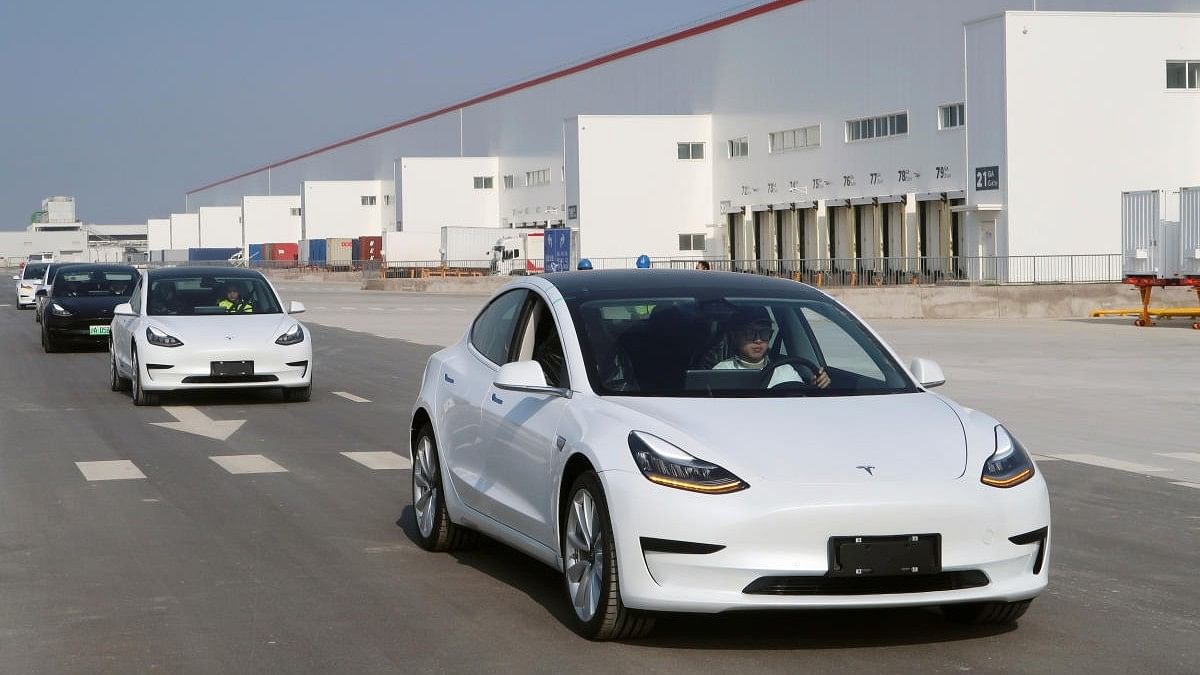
(496, 399)
(449, 380)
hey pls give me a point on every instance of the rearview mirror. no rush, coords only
(123, 309)
(296, 307)
(928, 373)
(527, 376)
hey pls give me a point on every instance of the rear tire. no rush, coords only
(297, 394)
(140, 395)
(435, 531)
(986, 613)
(590, 575)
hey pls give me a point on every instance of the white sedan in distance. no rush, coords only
(702, 442)
(208, 328)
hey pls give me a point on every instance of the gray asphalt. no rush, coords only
(196, 570)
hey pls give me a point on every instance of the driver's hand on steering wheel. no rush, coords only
(821, 381)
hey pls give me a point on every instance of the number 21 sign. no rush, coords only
(987, 178)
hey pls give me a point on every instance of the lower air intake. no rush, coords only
(927, 583)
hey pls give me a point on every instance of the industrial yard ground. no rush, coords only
(298, 566)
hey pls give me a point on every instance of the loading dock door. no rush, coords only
(868, 236)
(842, 240)
(764, 242)
(737, 243)
(987, 249)
(791, 239)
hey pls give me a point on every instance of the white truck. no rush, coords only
(519, 253)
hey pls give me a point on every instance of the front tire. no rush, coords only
(590, 567)
(986, 613)
(140, 395)
(48, 343)
(115, 381)
(297, 394)
(435, 531)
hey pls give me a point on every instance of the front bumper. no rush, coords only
(25, 297)
(169, 369)
(791, 540)
(75, 327)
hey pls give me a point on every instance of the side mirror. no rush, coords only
(123, 309)
(928, 373)
(526, 376)
(41, 292)
(296, 307)
(16, 277)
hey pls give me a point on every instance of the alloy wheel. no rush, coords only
(584, 550)
(425, 486)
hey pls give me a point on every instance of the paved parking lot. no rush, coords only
(127, 546)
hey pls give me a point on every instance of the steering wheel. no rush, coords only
(768, 370)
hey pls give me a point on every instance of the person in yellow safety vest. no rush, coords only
(232, 302)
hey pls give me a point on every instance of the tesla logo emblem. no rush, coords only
(868, 468)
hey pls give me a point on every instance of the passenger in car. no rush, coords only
(750, 334)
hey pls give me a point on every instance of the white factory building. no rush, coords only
(796, 129)
(55, 230)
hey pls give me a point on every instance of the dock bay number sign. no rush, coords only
(987, 178)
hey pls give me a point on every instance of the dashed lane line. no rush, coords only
(1110, 463)
(351, 397)
(1045, 458)
(115, 469)
(1191, 485)
(1185, 456)
(247, 464)
(379, 460)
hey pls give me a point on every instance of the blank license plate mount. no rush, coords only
(231, 368)
(900, 555)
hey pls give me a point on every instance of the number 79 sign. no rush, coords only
(987, 178)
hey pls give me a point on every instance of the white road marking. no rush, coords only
(348, 309)
(115, 469)
(1191, 485)
(247, 464)
(1109, 463)
(380, 460)
(1045, 458)
(5, 305)
(375, 309)
(190, 420)
(1186, 456)
(351, 397)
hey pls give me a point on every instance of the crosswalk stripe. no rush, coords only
(351, 397)
(1191, 485)
(1110, 463)
(1186, 456)
(247, 464)
(115, 469)
(380, 460)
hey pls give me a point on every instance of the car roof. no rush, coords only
(104, 267)
(650, 281)
(202, 271)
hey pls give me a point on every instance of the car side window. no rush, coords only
(492, 331)
(135, 300)
(539, 341)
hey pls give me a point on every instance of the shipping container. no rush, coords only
(339, 252)
(1150, 233)
(214, 254)
(1189, 231)
(174, 255)
(355, 250)
(312, 252)
(282, 254)
(370, 248)
(469, 246)
(257, 253)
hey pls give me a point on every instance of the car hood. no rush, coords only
(222, 328)
(902, 437)
(86, 307)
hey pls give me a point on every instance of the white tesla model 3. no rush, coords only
(703, 442)
(208, 328)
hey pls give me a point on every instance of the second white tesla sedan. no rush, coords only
(206, 328)
(703, 442)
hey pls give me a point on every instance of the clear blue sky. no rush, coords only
(126, 104)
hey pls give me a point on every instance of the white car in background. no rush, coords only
(702, 442)
(27, 283)
(177, 332)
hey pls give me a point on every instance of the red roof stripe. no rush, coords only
(571, 70)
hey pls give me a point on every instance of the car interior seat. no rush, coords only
(661, 348)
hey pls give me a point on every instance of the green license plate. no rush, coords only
(99, 330)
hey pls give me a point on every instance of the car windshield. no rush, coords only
(69, 283)
(689, 345)
(35, 270)
(208, 294)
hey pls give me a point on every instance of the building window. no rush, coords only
(952, 115)
(792, 139)
(387, 200)
(1183, 74)
(539, 177)
(483, 182)
(739, 147)
(509, 182)
(691, 242)
(690, 150)
(895, 124)
(297, 212)
(368, 200)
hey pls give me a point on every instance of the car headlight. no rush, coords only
(1009, 465)
(158, 338)
(294, 335)
(58, 310)
(665, 464)
(26, 288)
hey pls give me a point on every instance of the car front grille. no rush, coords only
(924, 583)
(229, 379)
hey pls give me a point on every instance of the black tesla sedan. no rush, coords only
(79, 306)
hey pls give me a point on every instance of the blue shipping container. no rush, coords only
(256, 252)
(317, 252)
(211, 254)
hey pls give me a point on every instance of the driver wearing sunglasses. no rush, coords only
(750, 334)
